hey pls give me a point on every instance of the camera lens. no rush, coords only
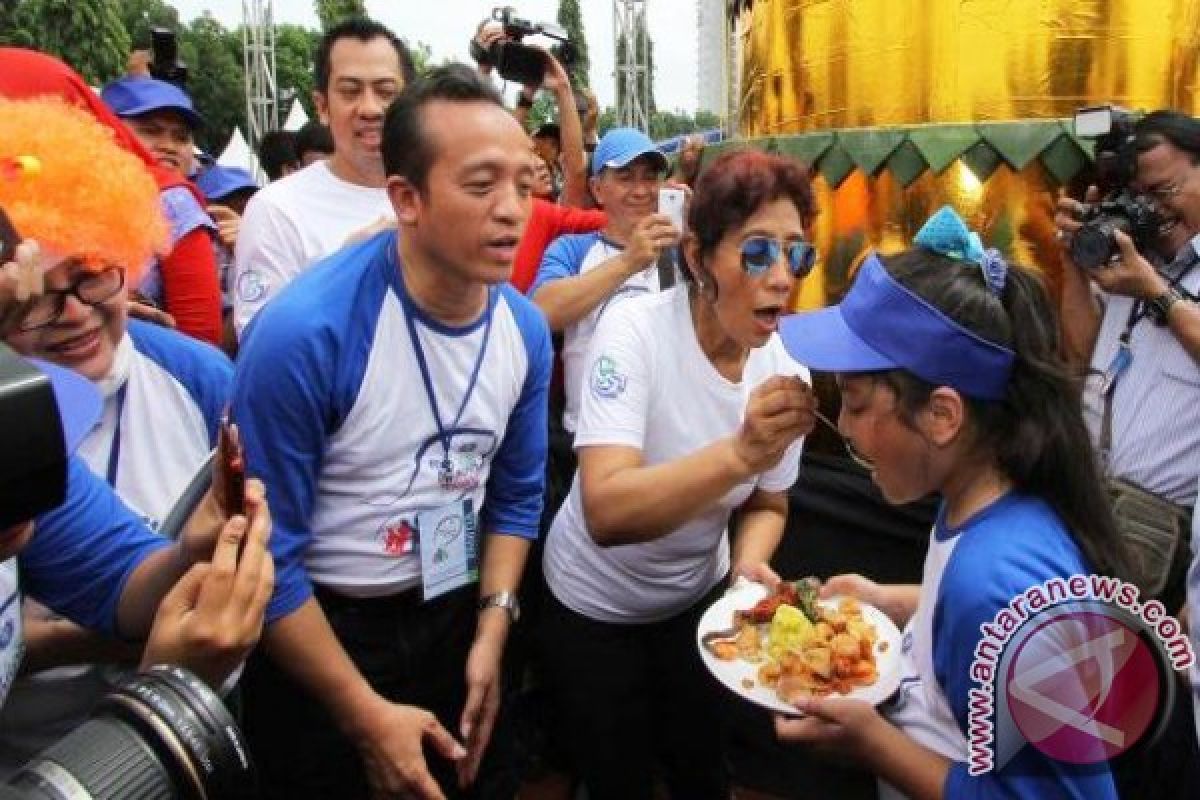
(160, 734)
(1093, 246)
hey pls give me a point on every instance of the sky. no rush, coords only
(448, 30)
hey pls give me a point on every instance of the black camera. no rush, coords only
(160, 734)
(33, 473)
(166, 65)
(1137, 215)
(516, 61)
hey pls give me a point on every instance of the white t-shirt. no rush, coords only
(292, 223)
(12, 643)
(650, 386)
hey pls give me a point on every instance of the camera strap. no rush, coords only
(1123, 358)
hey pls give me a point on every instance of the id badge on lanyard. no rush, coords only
(449, 548)
(1120, 362)
(447, 536)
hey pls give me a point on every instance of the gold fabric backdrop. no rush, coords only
(825, 64)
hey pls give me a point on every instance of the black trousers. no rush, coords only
(631, 698)
(410, 652)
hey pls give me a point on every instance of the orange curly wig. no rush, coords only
(66, 183)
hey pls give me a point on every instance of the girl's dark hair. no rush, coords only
(1036, 433)
(734, 187)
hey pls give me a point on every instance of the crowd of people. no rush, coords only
(509, 425)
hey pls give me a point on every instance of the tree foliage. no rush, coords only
(571, 19)
(331, 12)
(89, 34)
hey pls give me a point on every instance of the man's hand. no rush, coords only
(139, 309)
(1130, 275)
(489, 33)
(779, 412)
(202, 532)
(229, 222)
(483, 701)
(211, 619)
(390, 745)
(650, 236)
(22, 282)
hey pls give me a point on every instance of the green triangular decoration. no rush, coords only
(836, 165)
(906, 163)
(1064, 159)
(870, 148)
(807, 147)
(982, 160)
(941, 144)
(1018, 143)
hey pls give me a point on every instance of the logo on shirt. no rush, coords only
(1075, 667)
(397, 537)
(251, 287)
(606, 381)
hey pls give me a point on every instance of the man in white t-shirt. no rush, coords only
(582, 276)
(360, 68)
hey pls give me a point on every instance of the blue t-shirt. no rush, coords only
(337, 422)
(972, 572)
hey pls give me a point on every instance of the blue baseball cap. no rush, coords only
(218, 182)
(882, 325)
(79, 402)
(136, 95)
(620, 146)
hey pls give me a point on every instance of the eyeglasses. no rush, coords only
(91, 289)
(760, 252)
(855, 456)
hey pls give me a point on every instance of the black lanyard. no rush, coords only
(114, 452)
(446, 469)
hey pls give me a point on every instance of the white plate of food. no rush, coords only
(836, 646)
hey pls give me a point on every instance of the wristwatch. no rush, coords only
(1160, 306)
(506, 600)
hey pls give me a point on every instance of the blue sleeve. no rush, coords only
(517, 481)
(988, 569)
(298, 373)
(83, 552)
(203, 370)
(183, 212)
(562, 259)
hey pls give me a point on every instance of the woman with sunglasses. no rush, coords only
(94, 211)
(692, 411)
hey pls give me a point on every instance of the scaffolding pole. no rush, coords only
(258, 46)
(632, 63)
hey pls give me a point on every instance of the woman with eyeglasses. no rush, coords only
(93, 211)
(692, 412)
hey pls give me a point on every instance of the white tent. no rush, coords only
(296, 118)
(238, 154)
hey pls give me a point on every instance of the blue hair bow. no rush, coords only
(946, 233)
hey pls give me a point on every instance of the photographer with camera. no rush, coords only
(1128, 307)
(91, 558)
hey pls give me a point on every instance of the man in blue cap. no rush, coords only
(162, 117)
(582, 275)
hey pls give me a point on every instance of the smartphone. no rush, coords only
(230, 449)
(670, 204)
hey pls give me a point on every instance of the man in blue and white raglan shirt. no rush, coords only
(164, 394)
(394, 399)
(581, 276)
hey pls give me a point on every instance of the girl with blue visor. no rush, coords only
(951, 383)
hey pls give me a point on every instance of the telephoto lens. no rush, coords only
(159, 735)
